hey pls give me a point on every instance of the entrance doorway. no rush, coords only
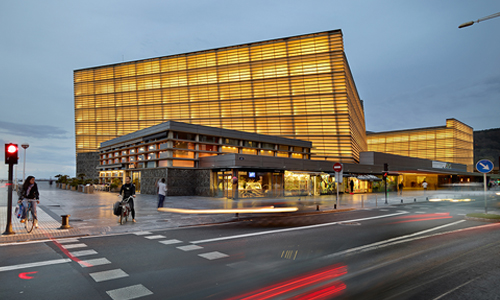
(136, 180)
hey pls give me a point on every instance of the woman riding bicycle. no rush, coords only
(128, 190)
(29, 193)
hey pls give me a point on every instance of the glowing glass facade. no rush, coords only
(451, 143)
(298, 87)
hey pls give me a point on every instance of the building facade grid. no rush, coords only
(298, 87)
(451, 143)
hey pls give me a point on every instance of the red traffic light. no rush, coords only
(385, 175)
(11, 151)
(11, 148)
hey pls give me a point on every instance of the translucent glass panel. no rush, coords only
(294, 87)
(434, 144)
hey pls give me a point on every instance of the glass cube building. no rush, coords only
(451, 143)
(297, 87)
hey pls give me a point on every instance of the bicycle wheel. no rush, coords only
(30, 221)
(123, 217)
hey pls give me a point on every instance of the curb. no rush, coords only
(483, 220)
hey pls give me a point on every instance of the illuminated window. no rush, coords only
(249, 151)
(183, 163)
(227, 149)
(266, 152)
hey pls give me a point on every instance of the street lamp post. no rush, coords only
(25, 146)
(470, 23)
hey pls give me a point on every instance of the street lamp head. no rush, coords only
(467, 24)
(25, 146)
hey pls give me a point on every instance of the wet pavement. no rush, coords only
(92, 214)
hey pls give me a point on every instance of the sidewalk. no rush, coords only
(91, 214)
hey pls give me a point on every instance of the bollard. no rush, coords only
(401, 200)
(317, 207)
(335, 206)
(426, 198)
(415, 200)
(376, 201)
(237, 215)
(362, 202)
(65, 222)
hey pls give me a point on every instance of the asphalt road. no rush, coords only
(417, 251)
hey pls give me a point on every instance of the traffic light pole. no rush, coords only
(8, 228)
(385, 189)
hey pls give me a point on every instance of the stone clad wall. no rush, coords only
(149, 178)
(87, 163)
(180, 182)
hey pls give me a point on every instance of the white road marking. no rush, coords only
(37, 264)
(72, 246)
(461, 214)
(142, 233)
(383, 210)
(130, 292)
(420, 212)
(189, 247)
(65, 241)
(393, 241)
(169, 242)
(94, 262)
(83, 253)
(291, 229)
(108, 275)
(153, 237)
(451, 291)
(213, 255)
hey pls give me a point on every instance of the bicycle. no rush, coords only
(30, 218)
(125, 210)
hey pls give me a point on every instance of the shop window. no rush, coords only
(297, 155)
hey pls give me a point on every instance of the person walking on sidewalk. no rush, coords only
(162, 191)
(128, 189)
(29, 193)
(400, 186)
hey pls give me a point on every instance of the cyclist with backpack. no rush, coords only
(128, 189)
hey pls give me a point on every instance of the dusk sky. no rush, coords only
(411, 64)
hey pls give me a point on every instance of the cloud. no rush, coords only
(32, 130)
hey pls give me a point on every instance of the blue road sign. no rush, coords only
(484, 166)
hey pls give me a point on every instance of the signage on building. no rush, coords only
(441, 165)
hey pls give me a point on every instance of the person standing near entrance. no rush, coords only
(162, 191)
(352, 186)
(400, 186)
(424, 185)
